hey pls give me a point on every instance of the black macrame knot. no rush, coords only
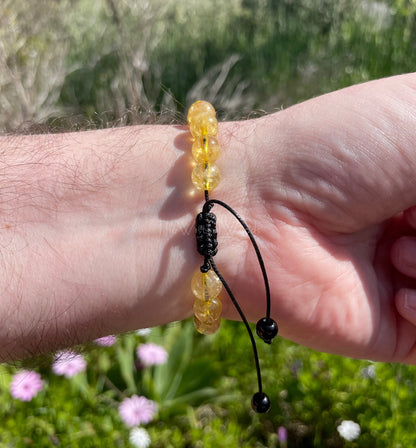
(206, 234)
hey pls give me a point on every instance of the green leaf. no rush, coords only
(167, 377)
(125, 357)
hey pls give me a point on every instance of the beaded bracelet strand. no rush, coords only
(207, 282)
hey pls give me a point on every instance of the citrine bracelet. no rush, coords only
(208, 282)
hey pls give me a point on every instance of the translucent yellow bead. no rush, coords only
(204, 125)
(202, 119)
(206, 328)
(200, 108)
(206, 286)
(208, 311)
(205, 149)
(206, 176)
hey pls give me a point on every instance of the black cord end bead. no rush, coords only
(260, 403)
(266, 329)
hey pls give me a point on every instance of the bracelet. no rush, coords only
(207, 282)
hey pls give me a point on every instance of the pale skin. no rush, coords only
(96, 228)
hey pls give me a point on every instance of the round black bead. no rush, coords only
(266, 329)
(260, 402)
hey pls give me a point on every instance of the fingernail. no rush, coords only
(409, 302)
(410, 215)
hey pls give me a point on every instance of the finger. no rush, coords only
(403, 255)
(405, 301)
(410, 216)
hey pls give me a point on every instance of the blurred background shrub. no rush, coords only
(122, 61)
(73, 64)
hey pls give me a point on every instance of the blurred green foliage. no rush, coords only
(91, 63)
(106, 61)
(204, 392)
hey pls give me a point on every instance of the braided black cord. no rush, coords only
(266, 328)
(206, 238)
(207, 206)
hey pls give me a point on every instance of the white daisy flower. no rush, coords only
(349, 430)
(139, 438)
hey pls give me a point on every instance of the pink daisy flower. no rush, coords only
(68, 364)
(106, 341)
(136, 410)
(282, 435)
(25, 385)
(151, 354)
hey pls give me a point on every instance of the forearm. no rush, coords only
(97, 231)
(88, 235)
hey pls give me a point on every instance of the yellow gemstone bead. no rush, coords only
(205, 149)
(206, 328)
(206, 285)
(208, 311)
(200, 108)
(204, 125)
(202, 119)
(206, 176)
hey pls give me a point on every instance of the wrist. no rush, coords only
(99, 229)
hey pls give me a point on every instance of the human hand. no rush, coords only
(328, 180)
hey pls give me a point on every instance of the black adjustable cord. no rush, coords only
(266, 328)
(207, 206)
